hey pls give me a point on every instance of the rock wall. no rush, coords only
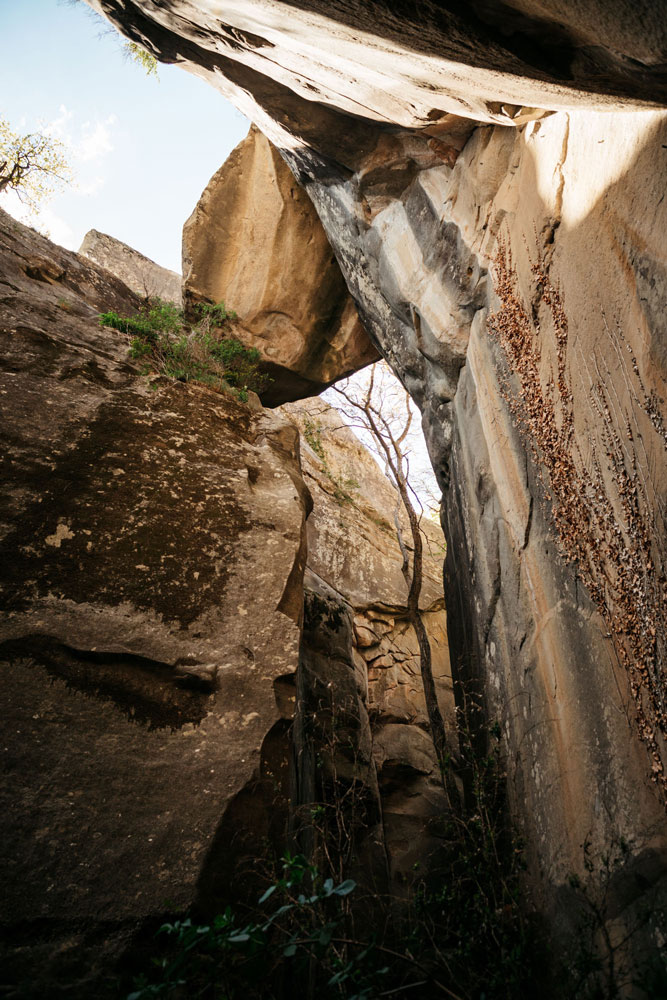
(255, 242)
(142, 661)
(435, 141)
(517, 296)
(146, 278)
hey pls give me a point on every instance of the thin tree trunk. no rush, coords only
(413, 575)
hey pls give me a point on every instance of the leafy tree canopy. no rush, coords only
(35, 165)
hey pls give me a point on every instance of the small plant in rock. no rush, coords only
(343, 488)
(137, 54)
(162, 338)
(312, 431)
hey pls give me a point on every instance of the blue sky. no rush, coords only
(142, 150)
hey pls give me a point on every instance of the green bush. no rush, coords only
(137, 325)
(139, 348)
(214, 315)
(460, 931)
(161, 336)
(235, 957)
(164, 317)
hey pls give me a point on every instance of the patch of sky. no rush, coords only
(142, 150)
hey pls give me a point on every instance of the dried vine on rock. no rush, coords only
(607, 537)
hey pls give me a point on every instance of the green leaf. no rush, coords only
(326, 934)
(269, 892)
(345, 888)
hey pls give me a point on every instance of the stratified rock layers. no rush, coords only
(255, 242)
(556, 607)
(153, 538)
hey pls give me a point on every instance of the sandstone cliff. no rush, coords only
(492, 185)
(163, 653)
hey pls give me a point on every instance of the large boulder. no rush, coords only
(153, 548)
(254, 241)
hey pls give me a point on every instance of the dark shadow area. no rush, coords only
(146, 691)
(244, 854)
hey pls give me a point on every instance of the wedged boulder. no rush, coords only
(146, 278)
(153, 550)
(255, 242)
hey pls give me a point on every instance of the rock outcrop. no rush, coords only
(153, 539)
(499, 235)
(255, 242)
(146, 278)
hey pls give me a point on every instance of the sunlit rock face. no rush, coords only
(255, 242)
(559, 451)
(153, 549)
(146, 278)
(428, 140)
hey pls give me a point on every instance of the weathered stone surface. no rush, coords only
(336, 800)
(329, 85)
(139, 273)
(255, 242)
(352, 541)
(151, 580)
(584, 192)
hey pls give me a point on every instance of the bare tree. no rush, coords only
(389, 427)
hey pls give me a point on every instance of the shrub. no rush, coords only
(460, 932)
(249, 957)
(137, 325)
(214, 315)
(174, 348)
